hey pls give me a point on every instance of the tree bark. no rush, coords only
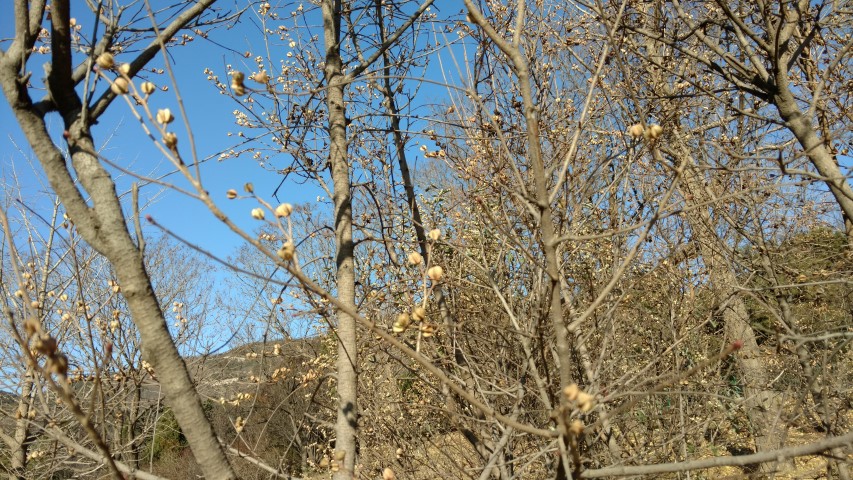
(347, 380)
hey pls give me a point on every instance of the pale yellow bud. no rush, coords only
(258, 213)
(401, 324)
(287, 251)
(636, 130)
(576, 428)
(435, 234)
(119, 86)
(164, 116)
(415, 258)
(435, 273)
(418, 314)
(283, 210)
(148, 88)
(427, 330)
(261, 77)
(571, 392)
(388, 474)
(124, 68)
(106, 60)
(249, 188)
(654, 132)
(231, 194)
(170, 140)
(585, 401)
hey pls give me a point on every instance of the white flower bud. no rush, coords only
(435, 273)
(164, 116)
(170, 140)
(435, 234)
(654, 132)
(258, 213)
(261, 77)
(119, 86)
(124, 68)
(287, 251)
(283, 210)
(636, 130)
(106, 60)
(148, 88)
(415, 258)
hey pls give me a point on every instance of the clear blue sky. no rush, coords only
(122, 140)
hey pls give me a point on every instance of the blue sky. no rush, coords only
(123, 142)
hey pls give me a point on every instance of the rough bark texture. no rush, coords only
(347, 382)
(101, 222)
(762, 403)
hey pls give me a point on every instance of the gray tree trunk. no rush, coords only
(347, 381)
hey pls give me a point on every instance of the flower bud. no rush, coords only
(388, 474)
(148, 88)
(636, 130)
(654, 132)
(283, 210)
(576, 428)
(231, 194)
(415, 258)
(585, 401)
(106, 60)
(427, 330)
(124, 68)
(571, 392)
(119, 86)
(249, 188)
(401, 324)
(287, 251)
(435, 234)
(419, 314)
(164, 116)
(261, 77)
(435, 273)
(258, 213)
(170, 140)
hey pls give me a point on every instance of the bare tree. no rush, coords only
(94, 206)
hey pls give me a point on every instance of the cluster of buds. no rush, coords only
(652, 132)
(239, 424)
(237, 85)
(584, 401)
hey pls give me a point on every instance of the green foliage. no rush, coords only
(168, 437)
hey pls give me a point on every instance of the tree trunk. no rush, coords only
(762, 405)
(103, 226)
(347, 382)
